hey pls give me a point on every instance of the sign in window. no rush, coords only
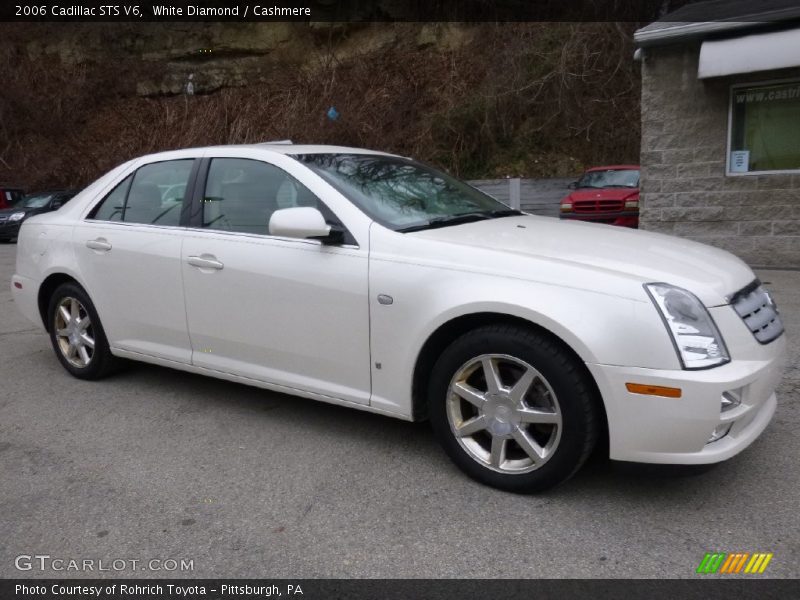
(765, 127)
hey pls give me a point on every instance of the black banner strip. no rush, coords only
(394, 10)
(701, 588)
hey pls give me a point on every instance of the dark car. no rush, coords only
(10, 195)
(605, 195)
(32, 204)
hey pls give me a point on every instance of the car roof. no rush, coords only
(614, 168)
(272, 147)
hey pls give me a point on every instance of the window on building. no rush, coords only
(765, 127)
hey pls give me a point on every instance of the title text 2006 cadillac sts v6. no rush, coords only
(373, 281)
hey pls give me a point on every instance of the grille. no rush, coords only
(3, 218)
(758, 311)
(590, 206)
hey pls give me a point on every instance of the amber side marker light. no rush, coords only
(653, 390)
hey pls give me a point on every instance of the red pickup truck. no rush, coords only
(605, 195)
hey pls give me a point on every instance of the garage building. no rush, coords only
(721, 127)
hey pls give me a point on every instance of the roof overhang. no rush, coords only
(673, 33)
(749, 54)
(697, 21)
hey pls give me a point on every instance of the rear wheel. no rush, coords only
(513, 408)
(77, 334)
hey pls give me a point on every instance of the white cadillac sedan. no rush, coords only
(373, 281)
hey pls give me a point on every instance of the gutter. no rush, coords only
(675, 32)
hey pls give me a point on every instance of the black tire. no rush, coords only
(568, 380)
(102, 362)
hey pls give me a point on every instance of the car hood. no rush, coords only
(710, 273)
(603, 194)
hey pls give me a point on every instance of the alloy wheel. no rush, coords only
(504, 413)
(74, 332)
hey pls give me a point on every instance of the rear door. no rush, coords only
(129, 253)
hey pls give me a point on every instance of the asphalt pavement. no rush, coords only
(155, 464)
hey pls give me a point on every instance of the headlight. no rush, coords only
(17, 216)
(695, 336)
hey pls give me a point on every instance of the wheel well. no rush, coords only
(46, 290)
(450, 331)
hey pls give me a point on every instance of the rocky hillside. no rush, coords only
(482, 100)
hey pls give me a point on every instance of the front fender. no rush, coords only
(600, 328)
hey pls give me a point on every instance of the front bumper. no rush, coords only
(655, 429)
(628, 218)
(9, 229)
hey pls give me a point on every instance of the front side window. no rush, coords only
(153, 195)
(765, 127)
(402, 194)
(241, 195)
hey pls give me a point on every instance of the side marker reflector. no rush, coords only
(18, 285)
(653, 390)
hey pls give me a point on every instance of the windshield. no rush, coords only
(34, 201)
(403, 194)
(612, 178)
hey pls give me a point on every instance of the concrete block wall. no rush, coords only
(685, 191)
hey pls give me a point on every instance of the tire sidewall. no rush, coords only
(101, 352)
(568, 384)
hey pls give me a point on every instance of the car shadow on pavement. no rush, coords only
(374, 433)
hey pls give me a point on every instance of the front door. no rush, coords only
(289, 312)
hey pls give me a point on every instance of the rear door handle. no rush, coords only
(101, 244)
(206, 261)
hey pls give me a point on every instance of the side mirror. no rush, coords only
(303, 222)
(573, 185)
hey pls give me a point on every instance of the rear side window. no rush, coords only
(110, 209)
(153, 195)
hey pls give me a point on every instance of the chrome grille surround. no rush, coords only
(758, 311)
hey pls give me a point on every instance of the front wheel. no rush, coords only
(77, 335)
(513, 408)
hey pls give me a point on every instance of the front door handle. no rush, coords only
(101, 244)
(206, 261)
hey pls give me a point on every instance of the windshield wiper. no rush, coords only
(506, 212)
(460, 218)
